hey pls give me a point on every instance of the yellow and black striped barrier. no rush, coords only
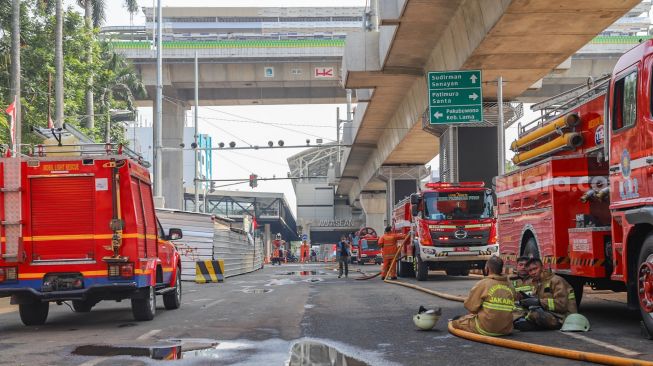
(209, 271)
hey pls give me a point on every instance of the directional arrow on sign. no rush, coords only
(437, 115)
(473, 79)
(473, 96)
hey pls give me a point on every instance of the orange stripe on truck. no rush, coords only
(84, 237)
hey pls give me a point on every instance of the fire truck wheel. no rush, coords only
(530, 249)
(645, 283)
(421, 269)
(172, 299)
(81, 306)
(35, 313)
(145, 308)
(405, 269)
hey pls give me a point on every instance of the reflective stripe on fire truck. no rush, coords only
(557, 181)
(86, 236)
(635, 164)
(471, 226)
(31, 276)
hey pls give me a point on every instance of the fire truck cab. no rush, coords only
(78, 224)
(452, 227)
(368, 246)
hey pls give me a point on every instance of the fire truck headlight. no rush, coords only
(493, 248)
(429, 251)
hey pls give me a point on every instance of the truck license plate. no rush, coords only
(461, 249)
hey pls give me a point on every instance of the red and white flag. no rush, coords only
(11, 111)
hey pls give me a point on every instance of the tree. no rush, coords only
(58, 65)
(94, 16)
(112, 72)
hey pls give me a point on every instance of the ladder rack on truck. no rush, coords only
(563, 103)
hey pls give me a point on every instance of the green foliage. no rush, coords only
(116, 82)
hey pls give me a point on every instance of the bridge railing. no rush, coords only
(233, 49)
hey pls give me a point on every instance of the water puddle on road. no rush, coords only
(269, 352)
(303, 273)
(256, 290)
(157, 352)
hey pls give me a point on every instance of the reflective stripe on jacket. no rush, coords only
(556, 295)
(492, 300)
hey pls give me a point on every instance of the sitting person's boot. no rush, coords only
(524, 325)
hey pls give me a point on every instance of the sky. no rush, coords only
(246, 125)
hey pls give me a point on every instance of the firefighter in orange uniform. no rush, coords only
(276, 254)
(303, 251)
(490, 303)
(388, 244)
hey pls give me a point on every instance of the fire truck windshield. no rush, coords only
(457, 205)
(368, 244)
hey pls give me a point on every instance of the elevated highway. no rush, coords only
(520, 40)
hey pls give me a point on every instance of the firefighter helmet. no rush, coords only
(278, 236)
(576, 323)
(426, 320)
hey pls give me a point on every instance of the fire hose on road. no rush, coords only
(512, 344)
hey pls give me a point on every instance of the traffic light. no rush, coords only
(252, 180)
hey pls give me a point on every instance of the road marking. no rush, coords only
(197, 300)
(621, 350)
(148, 334)
(94, 361)
(212, 303)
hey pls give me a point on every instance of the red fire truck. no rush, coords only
(452, 228)
(368, 246)
(78, 224)
(582, 198)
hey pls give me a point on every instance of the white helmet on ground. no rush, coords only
(426, 320)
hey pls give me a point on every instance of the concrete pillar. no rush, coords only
(267, 239)
(374, 205)
(174, 115)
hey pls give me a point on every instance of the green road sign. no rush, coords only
(455, 96)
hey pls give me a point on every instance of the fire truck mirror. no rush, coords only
(116, 224)
(175, 234)
(415, 210)
(414, 199)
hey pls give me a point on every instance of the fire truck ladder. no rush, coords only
(562, 103)
(12, 215)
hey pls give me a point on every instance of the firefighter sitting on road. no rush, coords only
(521, 284)
(553, 299)
(388, 244)
(490, 302)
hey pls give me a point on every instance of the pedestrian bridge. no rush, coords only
(243, 72)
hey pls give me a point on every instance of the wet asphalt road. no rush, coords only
(256, 319)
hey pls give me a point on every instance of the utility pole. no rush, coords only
(197, 150)
(158, 118)
(15, 69)
(338, 132)
(58, 66)
(501, 139)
